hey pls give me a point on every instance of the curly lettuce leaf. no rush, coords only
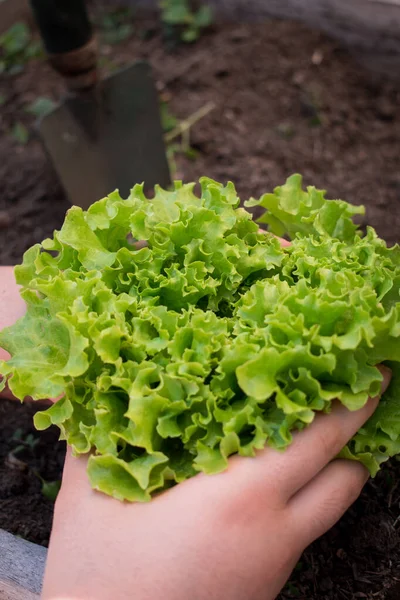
(293, 211)
(209, 341)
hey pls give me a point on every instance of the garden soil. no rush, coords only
(286, 99)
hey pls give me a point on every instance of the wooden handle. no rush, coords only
(68, 38)
(64, 24)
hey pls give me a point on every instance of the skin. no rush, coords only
(236, 535)
(12, 307)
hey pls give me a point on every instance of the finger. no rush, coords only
(324, 500)
(312, 449)
(74, 474)
(12, 307)
(284, 243)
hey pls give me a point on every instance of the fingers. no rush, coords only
(312, 449)
(12, 307)
(316, 446)
(74, 466)
(284, 243)
(75, 482)
(323, 501)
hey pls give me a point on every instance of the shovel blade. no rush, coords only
(109, 138)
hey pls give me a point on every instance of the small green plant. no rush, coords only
(28, 442)
(49, 489)
(168, 120)
(182, 16)
(41, 107)
(177, 133)
(17, 48)
(312, 105)
(20, 133)
(115, 25)
(292, 590)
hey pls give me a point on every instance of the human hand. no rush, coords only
(235, 536)
(12, 307)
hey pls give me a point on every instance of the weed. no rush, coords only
(311, 102)
(115, 25)
(17, 48)
(180, 16)
(20, 133)
(50, 489)
(172, 151)
(177, 139)
(168, 120)
(41, 107)
(292, 590)
(28, 442)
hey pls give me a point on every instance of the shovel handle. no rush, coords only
(67, 35)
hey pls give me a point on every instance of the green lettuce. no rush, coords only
(209, 340)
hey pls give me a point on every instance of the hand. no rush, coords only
(236, 535)
(232, 536)
(12, 307)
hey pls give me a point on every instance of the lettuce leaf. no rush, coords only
(212, 339)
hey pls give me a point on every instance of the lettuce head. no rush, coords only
(210, 339)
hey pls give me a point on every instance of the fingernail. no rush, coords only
(387, 376)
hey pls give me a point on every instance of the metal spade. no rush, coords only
(105, 134)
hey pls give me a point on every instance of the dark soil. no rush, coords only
(24, 510)
(360, 556)
(286, 100)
